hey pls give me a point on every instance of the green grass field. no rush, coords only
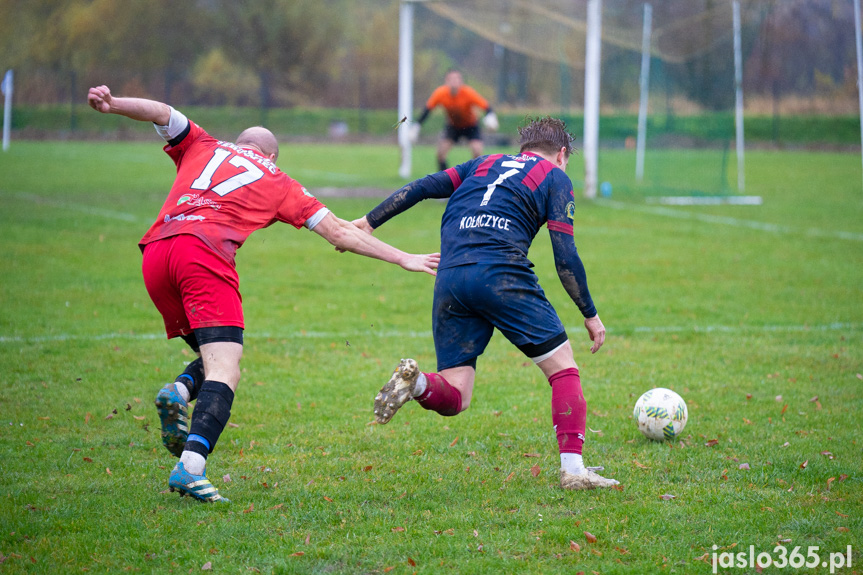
(753, 313)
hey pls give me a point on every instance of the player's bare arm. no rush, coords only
(141, 109)
(346, 236)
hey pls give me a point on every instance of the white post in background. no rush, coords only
(406, 79)
(591, 96)
(859, 66)
(644, 85)
(6, 87)
(738, 88)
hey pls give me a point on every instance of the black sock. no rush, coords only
(211, 413)
(441, 164)
(193, 378)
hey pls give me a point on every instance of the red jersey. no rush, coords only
(223, 193)
(459, 107)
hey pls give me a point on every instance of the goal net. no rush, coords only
(534, 62)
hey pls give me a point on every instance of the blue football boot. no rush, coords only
(197, 486)
(174, 415)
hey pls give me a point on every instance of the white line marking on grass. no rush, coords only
(345, 335)
(751, 224)
(836, 326)
(91, 210)
(706, 200)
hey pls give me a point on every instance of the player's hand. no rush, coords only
(597, 332)
(364, 225)
(100, 99)
(414, 133)
(422, 263)
(490, 121)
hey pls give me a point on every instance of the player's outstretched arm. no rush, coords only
(346, 236)
(101, 100)
(438, 185)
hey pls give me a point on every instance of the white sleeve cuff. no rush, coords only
(176, 126)
(316, 219)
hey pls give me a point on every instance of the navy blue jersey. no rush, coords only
(497, 204)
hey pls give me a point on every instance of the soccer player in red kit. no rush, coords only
(222, 193)
(458, 101)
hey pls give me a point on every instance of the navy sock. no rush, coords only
(210, 416)
(193, 378)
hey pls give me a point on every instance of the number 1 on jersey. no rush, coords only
(517, 166)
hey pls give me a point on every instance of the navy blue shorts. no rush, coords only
(471, 300)
(450, 132)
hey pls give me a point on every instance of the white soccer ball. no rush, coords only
(661, 414)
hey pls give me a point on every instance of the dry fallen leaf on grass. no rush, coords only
(804, 464)
(711, 443)
(743, 466)
(591, 538)
(207, 566)
(574, 546)
(667, 497)
(535, 470)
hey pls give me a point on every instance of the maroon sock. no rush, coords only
(568, 410)
(440, 396)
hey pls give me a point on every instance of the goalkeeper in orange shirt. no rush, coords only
(459, 101)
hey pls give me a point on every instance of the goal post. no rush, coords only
(6, 87)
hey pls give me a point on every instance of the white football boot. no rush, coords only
(397, 391)
(586, 480)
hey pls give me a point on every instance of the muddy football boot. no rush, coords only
(174, 416)
(196, 486)
(397, 391)
(587, 480)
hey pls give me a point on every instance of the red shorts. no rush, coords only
(191, 285)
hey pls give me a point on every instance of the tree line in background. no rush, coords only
(342, 53)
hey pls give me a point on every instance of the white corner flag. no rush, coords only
(6, 88)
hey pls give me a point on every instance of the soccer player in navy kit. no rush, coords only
(497, 204)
